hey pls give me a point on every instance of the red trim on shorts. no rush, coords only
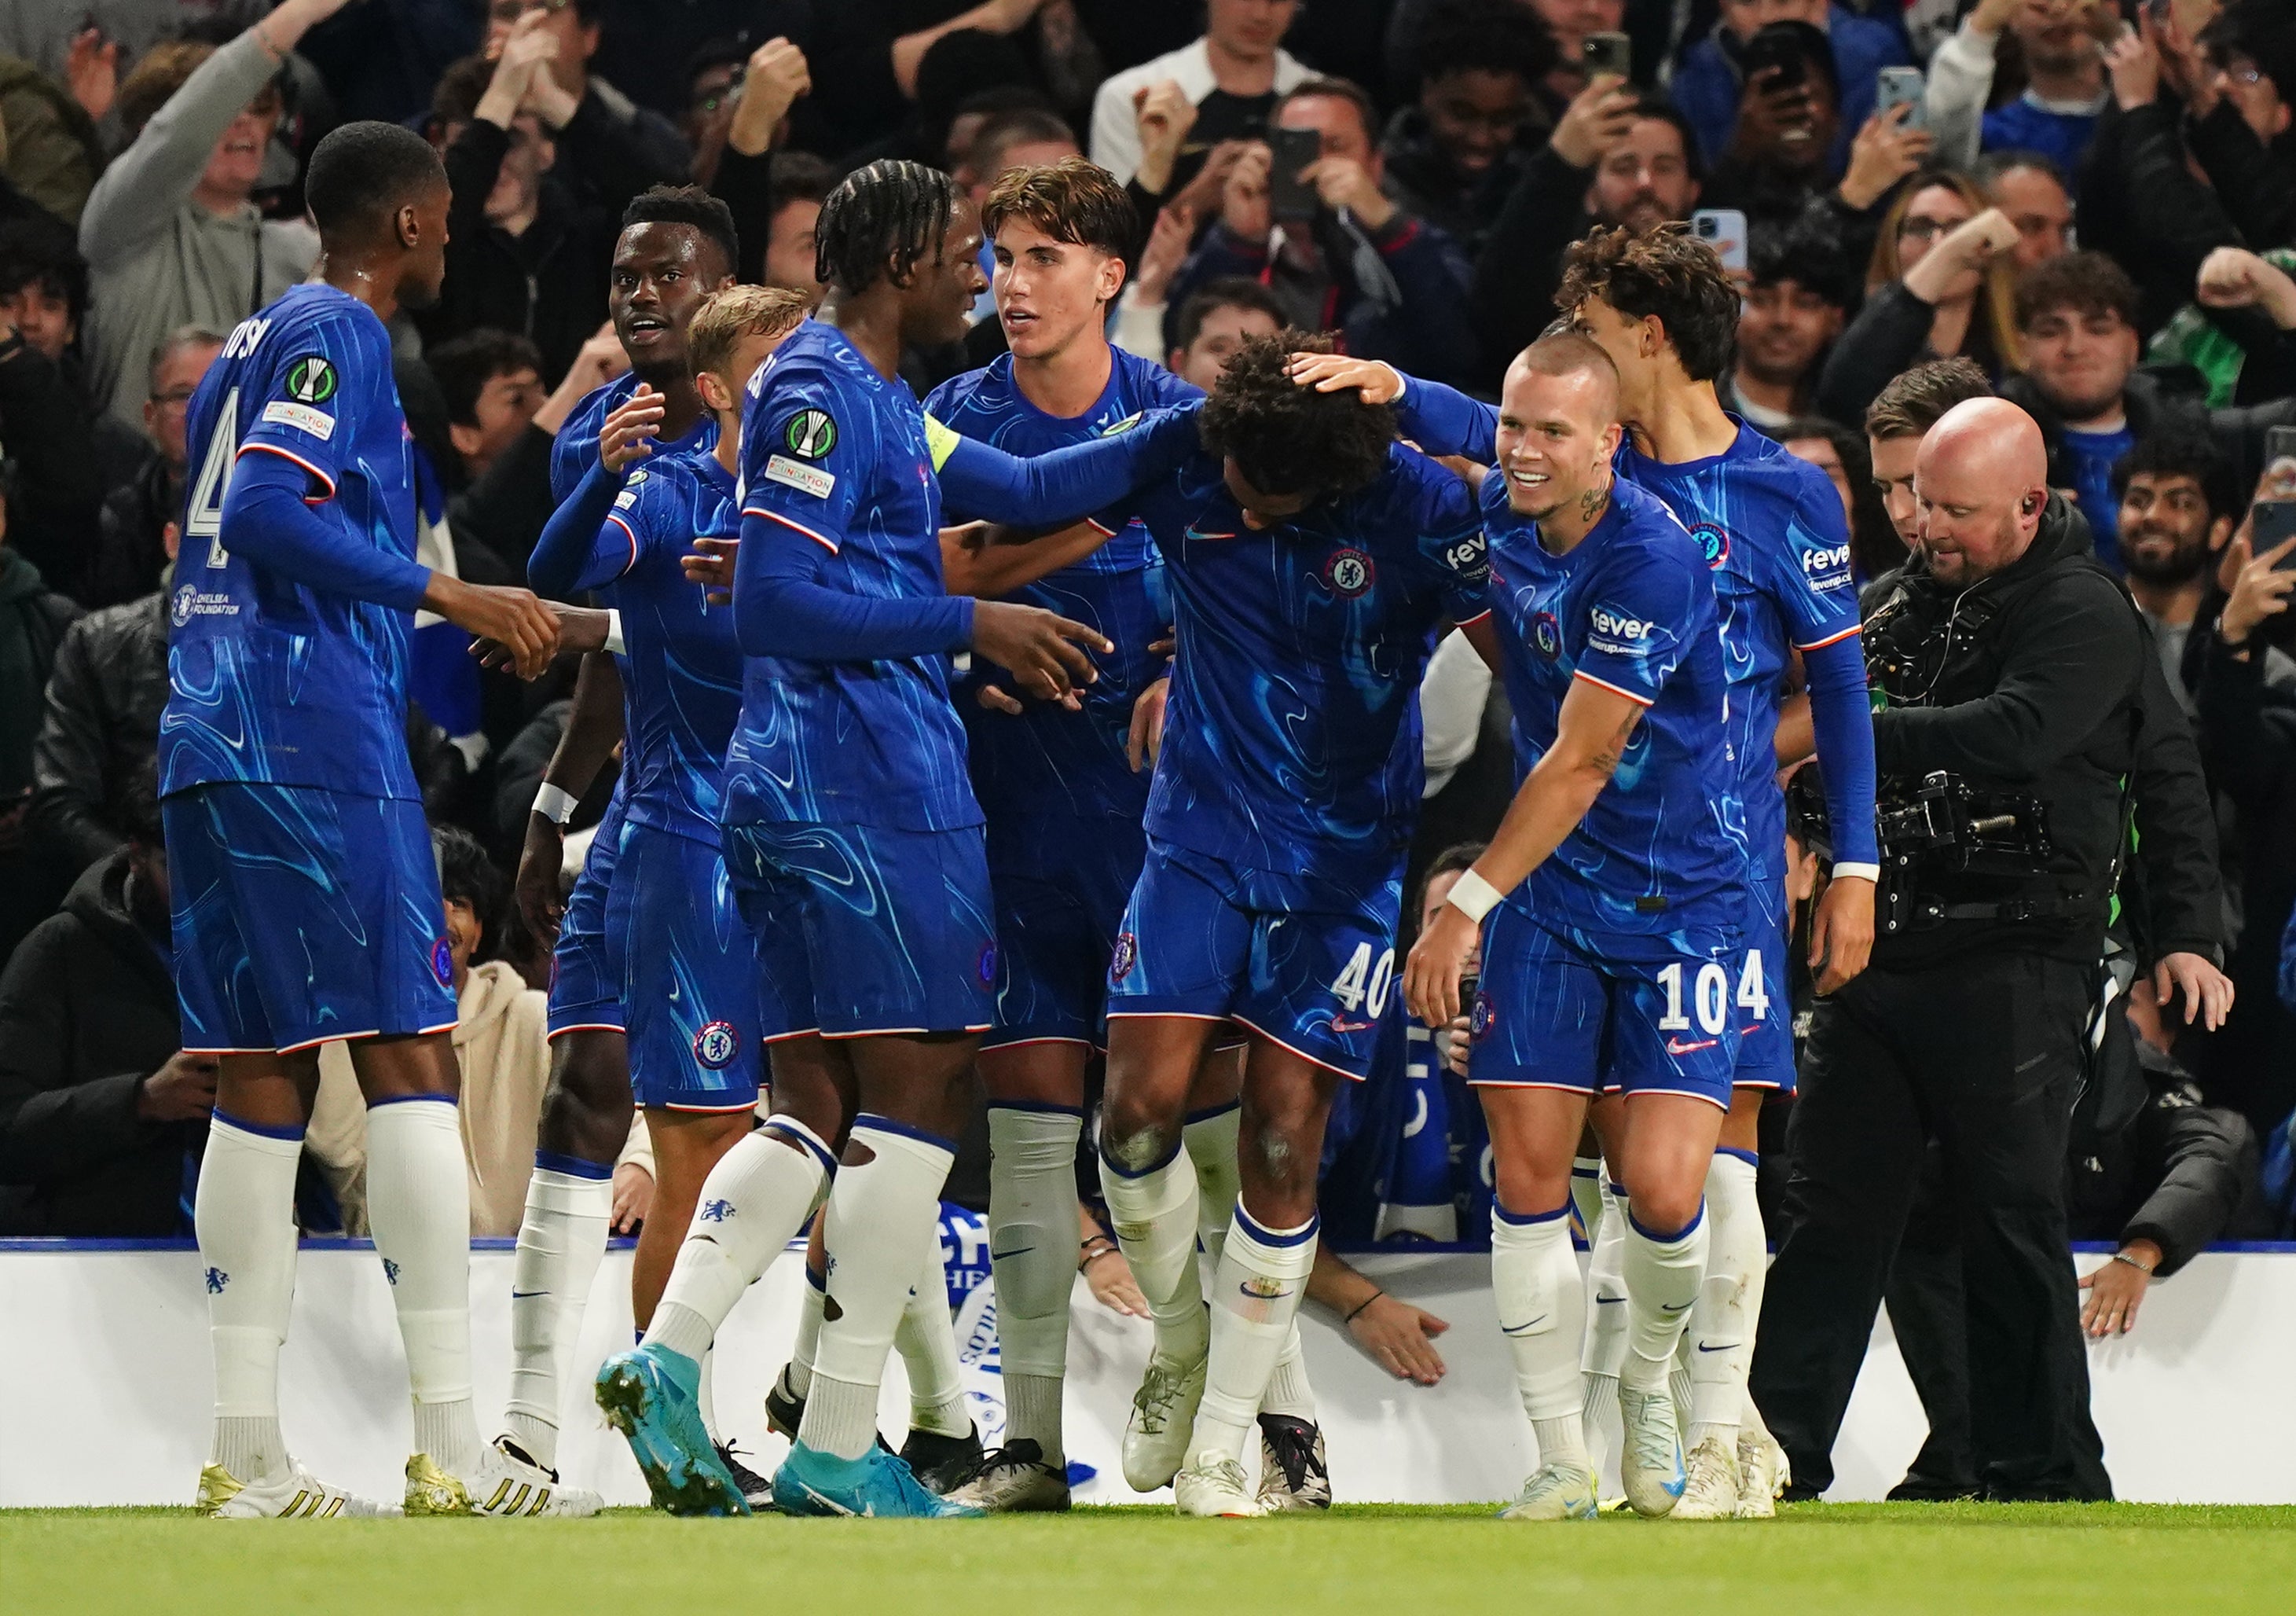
(1303, 1054)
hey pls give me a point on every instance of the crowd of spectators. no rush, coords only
(2085, 206)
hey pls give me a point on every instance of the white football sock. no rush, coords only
(1606, 1317)
(244, 1212)
(562, 1240)
(705, 1396)
(419, 1206)
(1722, 1323)
(798, 1375)
(1210, 1136)
(1542, 1308)
(1662, 1275)
(1032, 1222)
(1262, 1275)
(880, 1214)
(754, 1200)
(1155, 1217)
(926, 1339)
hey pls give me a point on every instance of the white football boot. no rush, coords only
(1213, 1489)
(1163, 1417)
(297, 1495)
(1763, 1474)
(1710, 1487)
(1650, 1462)
(501, 1484)
(1554, 1492)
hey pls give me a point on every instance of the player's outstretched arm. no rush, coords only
(1591, 737)
(1440, 420)
(1841, 931)
(975, 560)
(1051, 490)
(265, 520)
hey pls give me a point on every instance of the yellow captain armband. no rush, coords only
(940, 442)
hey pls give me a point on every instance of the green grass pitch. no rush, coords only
(1392, 1561)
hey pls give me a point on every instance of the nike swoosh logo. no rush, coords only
(1677, 1047)
(1008, 1256)
(523, 1295)
(1724, 1347)
(1192, 532)
(832, 1505)
(1520, 1329)
(1605, 1301)
(1683, 1308)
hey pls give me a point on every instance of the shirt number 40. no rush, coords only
(1711, 993)
(1363, 983)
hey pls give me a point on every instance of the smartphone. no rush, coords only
(2279, 444)
(1611, 54)
(1724, 229)
(1775, 51)
(1290, 200)
(1902, 87)
(2273, 522)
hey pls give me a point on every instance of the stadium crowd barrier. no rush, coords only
(2193, 1407)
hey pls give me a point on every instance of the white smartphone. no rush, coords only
(1903, 87)
(1724, 229)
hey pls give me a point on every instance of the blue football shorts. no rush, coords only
(859, 929)
(1305, 961)
(302, 914)
(1760, 998)
(688, 974)
(1061, 887)
(585, 989)
(1640, 1015)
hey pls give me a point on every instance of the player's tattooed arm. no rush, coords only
(1592, 733)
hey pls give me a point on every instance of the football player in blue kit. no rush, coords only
(679, 960)
(849, 825)
(1614, 894)
(1311, 559)
(306, 899)
(677, 245)
(1063, 800)
(1772, 531)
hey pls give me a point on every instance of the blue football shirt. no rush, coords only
(835, 455)
(681, 666)
(1047, 760)
(1631, 607)
(1292, 742)
(575, 450)
(1771, 529)
(272, 681)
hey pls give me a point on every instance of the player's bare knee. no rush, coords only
(1135, 1145)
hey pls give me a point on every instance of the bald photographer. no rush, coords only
(2010, 672)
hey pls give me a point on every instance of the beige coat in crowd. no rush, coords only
(500, 1041)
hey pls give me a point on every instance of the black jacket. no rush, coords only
(2030, 682)
(2176, 1172)
(1520, 265)
(548, 284)
(101, 728)
(131, 548)
(1427, 182)
(87, 1013)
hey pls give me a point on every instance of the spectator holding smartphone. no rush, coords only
(1710, 84)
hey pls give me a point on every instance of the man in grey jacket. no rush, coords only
(170, 232)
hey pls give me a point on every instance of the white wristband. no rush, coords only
(614, 632)
(555, 804)
(1473, 897)
(1864, 872)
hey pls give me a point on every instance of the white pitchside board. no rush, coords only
(107, 1350)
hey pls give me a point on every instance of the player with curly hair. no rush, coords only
(1309, 558)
